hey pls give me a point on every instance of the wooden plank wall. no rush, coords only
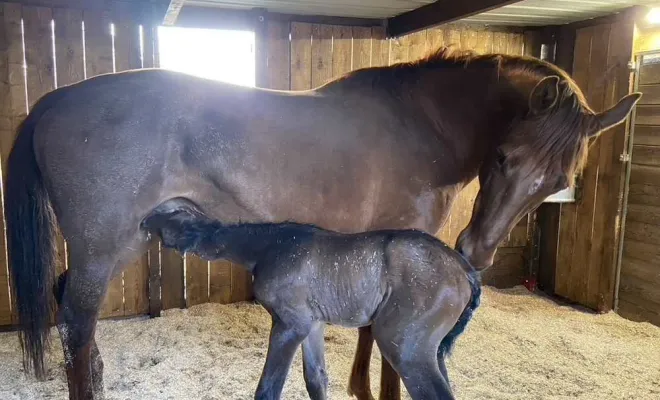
(639, 288)
(588, 231)
(51, 50)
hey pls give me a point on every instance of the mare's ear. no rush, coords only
(544, 95)
(614, 115)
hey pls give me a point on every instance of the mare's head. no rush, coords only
(538, 154)
(187, 231)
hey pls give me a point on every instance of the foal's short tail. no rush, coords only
(30, 233)
(447, 343)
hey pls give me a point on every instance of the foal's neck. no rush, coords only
(247, 244)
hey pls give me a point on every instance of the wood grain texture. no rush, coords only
(573, 215)
(197, 280)
(321, 54)
(647, 135)
(12, 109)
(172, 279)
(361, 57)
(278, 57)
(301, 56)
(508, 269)
(220, 281)
(380, 48)
(342, 50)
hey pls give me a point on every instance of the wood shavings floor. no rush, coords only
(519, 346)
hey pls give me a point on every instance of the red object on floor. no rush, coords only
(530, 284)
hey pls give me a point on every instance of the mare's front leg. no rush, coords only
(284, 340)
(316, 377)
(359, 384)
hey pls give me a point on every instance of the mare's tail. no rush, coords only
(447, 343)
(30, 240)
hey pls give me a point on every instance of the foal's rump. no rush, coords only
(434, 292)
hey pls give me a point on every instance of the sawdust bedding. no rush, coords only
(518, 346)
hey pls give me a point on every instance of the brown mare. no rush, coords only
(385, 147)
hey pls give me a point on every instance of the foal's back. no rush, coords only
(348, 279)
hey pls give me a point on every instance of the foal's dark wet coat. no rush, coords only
(415, 292)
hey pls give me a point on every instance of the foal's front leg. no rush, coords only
(284, 340)
(316, 377)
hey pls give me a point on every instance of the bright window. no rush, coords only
(223, 55)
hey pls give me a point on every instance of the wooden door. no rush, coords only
(639, 277)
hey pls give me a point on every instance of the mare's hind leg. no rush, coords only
(316, 377)
(359, 384)
(87, 280)
(390, 384)
(96, 361)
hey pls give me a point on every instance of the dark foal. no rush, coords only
(415, 292)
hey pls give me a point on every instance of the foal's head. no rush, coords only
(538, 154)
(187, 231)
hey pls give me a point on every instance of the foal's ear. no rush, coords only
(614, 115)
(544, 95)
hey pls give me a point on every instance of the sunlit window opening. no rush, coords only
(223, 55)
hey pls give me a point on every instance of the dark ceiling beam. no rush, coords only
(172, 12)
(440, 12)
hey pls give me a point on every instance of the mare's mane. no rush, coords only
(560, 134)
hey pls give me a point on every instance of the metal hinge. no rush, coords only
(632, 65)
(624, 157)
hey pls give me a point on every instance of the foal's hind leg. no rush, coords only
(316, 378)
(416, 361)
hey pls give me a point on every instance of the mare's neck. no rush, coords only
(465, 105)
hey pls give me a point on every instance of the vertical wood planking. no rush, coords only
(469, 39)
(568, 229)
(197, 280)
(301, 56)
(341, 50)
(484, 42)
(608, 209)
(380, 47)
(13, 106)
(398, 50)
(453, 38)
(435, 39)
(417, 45)
(585, 208)
(220, 281)
(278, 58)
(499, 42)
(361, 48)
(98, 54)
(598, 87)
(321, 54)
(172, 278)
